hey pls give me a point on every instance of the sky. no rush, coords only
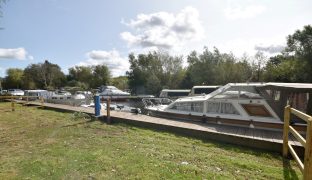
(92, 32)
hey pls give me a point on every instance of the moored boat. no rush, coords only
(254, 105)
(113, 93)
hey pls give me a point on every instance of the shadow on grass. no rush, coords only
(84, 122)
(289, 173)
(213, 142)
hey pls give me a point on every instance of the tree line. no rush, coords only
(153, 71)
(49, 76)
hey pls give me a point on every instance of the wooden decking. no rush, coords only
(254, 138)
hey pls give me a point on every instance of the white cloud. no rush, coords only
(164, 30)
(240, 46)
(18, 53)
(243, 12)
(117, 65)
(30, 57)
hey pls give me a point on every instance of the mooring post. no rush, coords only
(42, 102)
(12, 104)
(97, 105)
(108, 110)
(286, 130)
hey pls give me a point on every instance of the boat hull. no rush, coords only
(231, 122)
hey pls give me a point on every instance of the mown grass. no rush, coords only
(45, 144)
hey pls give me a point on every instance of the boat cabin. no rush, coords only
(174, 93)
(241, 104)
(200, 90)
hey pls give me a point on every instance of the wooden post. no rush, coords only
(27, 100)
(108, 110)
(307, 173)
(286, 130)
(12, 104)
(42, 102)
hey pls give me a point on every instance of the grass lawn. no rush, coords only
(37, 144)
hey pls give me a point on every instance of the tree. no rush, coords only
(215, 68)
(43, 75)
(80, 76)
(299, 48)
(14, 78)
(164, 70)
(120, 82)
(101, 75)
(259, 63)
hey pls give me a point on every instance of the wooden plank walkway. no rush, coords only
(261, 139)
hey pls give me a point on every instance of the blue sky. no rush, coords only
(92, 32)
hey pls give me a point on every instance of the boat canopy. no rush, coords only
(290, 87)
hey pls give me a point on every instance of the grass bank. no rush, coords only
(37, 144)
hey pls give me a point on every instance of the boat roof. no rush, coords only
(205, 87)
(175, 90)
(291, 87)
(36, 90)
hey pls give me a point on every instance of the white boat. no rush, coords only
(15, 92)
(113, 93)
(64, 97)
(35, 94)
(239, 104)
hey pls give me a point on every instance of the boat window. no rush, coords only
(68, 97)
(277, 95)
(213, 107)
(256, 110)
(222, 108)
(188, 106)
(228, 108)
(204, 90)
(174, 94)
(197, 107)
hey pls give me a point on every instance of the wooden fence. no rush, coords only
(25, 98)
(306, 166)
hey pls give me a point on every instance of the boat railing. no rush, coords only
(306, 166)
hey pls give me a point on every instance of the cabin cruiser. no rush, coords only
(113, 93)
(15, 92)
(36, 94)
(255, 105)
(65, 97)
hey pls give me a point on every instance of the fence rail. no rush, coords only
(306, 166)
(26, 98)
